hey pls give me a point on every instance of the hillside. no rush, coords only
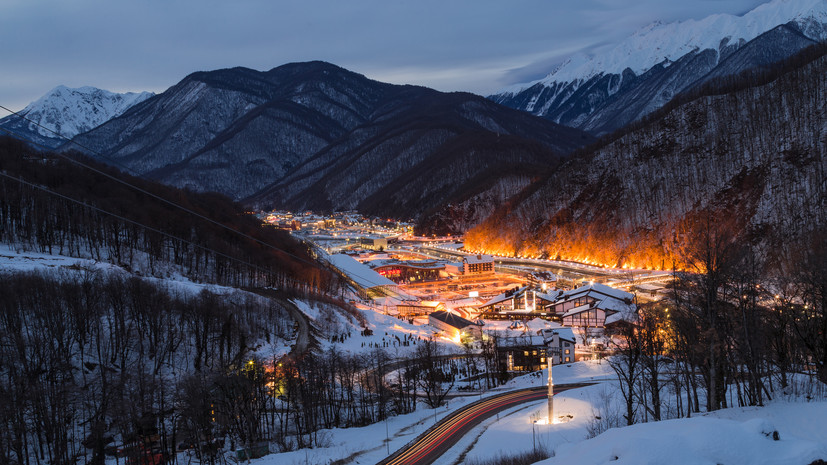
(420, 153)
(313, 135)
(52, 205)
(745, 156)
(606, 91)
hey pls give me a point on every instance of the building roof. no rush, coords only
(597, 288)
(629, 315)
(451, 319)
(512, 339)
(362, 275)
(549, 296)
(471, 259)
(609, 306)
(415, 264)
(497, 299)
(576, 310)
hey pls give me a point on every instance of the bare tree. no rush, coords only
(432, 377)
(810, 322)
(626, 361)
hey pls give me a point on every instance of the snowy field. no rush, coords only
(731, 436)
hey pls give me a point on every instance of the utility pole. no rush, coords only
(387, 435)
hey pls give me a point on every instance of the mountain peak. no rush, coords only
(605, 91)
(70, 111)
(658, 41)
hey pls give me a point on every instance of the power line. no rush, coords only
(127, 220)
(169, 202)
(71, 141)
(144, 191)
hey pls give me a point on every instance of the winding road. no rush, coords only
(305, 339)
(434, 442)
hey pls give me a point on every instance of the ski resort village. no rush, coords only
(413, 233)
(468, 296)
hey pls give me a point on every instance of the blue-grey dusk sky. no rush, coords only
(473, 45)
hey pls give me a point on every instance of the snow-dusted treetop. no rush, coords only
(70, 112)
(660, 42)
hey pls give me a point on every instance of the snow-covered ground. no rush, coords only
(395, 335)
(368, 444)
(22, 261)
(18, 261)
(782, 432)
(736, 435)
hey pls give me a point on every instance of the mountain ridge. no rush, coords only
(63, 113)
(745, 158)
(315, 135)
(602, 93)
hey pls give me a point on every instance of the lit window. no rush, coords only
(568, 359)
(568, 351)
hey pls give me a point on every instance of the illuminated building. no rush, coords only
(588, 306)
(518, 303)
(454, 326)
(478, 264)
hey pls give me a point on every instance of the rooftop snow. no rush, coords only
(657, 42)
(361, 274)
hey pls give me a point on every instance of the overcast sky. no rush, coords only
(473, 45)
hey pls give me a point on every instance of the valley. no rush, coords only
(309, 236)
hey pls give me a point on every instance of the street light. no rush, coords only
(534, 436)
(550, 341)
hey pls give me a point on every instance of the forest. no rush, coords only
(728, 335)
(750, 148)
(73, 206)
(99, 365)
(100, 362)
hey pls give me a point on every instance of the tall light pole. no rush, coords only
(550, 349)
(550, 359)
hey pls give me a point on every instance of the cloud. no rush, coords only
(474, 45)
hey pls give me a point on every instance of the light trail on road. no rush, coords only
(441, 437)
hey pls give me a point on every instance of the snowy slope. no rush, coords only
(69, 112)
(748, 438)
(603, 92)
(660, 42)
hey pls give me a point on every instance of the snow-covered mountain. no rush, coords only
(748, 153)
(69, 112)
(603, 92)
